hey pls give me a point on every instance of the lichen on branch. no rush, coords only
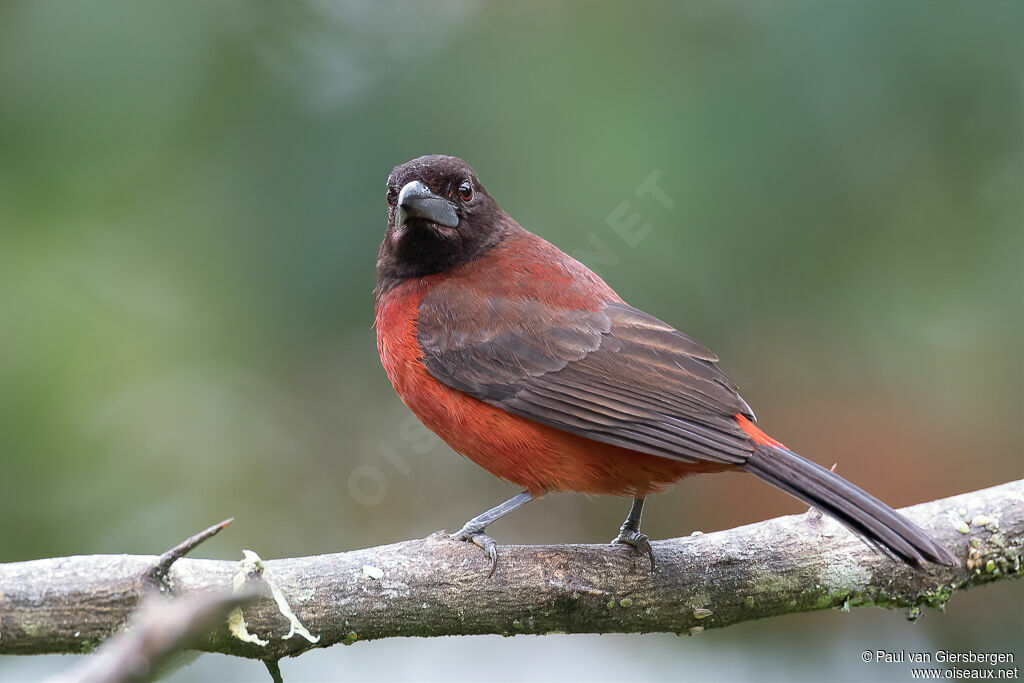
(436, 586)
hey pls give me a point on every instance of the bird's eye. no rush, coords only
(465, 191)
(390, 196)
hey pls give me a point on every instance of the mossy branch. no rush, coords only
(435, 586)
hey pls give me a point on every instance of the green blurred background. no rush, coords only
(191, 199)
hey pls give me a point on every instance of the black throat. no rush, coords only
(423, 251)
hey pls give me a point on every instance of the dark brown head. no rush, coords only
(439, 217)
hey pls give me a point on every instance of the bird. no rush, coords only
(526, 362)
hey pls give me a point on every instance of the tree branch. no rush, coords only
(435, 586)
(156, 577)
(160, 629)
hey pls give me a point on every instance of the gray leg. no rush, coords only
(473, 530)
(630, 534)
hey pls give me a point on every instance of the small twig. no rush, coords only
(156, 577)
(274, 669)
(163, 628)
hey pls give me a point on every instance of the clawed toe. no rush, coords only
(473, 530)
(638, 541)
(482, 540)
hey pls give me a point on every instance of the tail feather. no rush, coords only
(861, 512)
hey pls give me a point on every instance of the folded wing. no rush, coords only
(616, 374)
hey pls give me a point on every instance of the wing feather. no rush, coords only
(616, 375)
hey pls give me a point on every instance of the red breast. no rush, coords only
(537, 457)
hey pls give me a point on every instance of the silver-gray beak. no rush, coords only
(416, 201)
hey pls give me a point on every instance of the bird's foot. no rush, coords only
(479, 538)
(638, 541)
(473, 530)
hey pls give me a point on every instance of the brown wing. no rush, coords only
(616, 375)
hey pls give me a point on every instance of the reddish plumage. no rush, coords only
(535, 456)
(527, 363)
(756, 435)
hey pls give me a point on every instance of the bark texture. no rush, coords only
(438, 587)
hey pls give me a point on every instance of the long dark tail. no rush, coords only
(861, 512)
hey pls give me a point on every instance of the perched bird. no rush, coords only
(527, 363)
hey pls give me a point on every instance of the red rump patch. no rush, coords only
(756, 435)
